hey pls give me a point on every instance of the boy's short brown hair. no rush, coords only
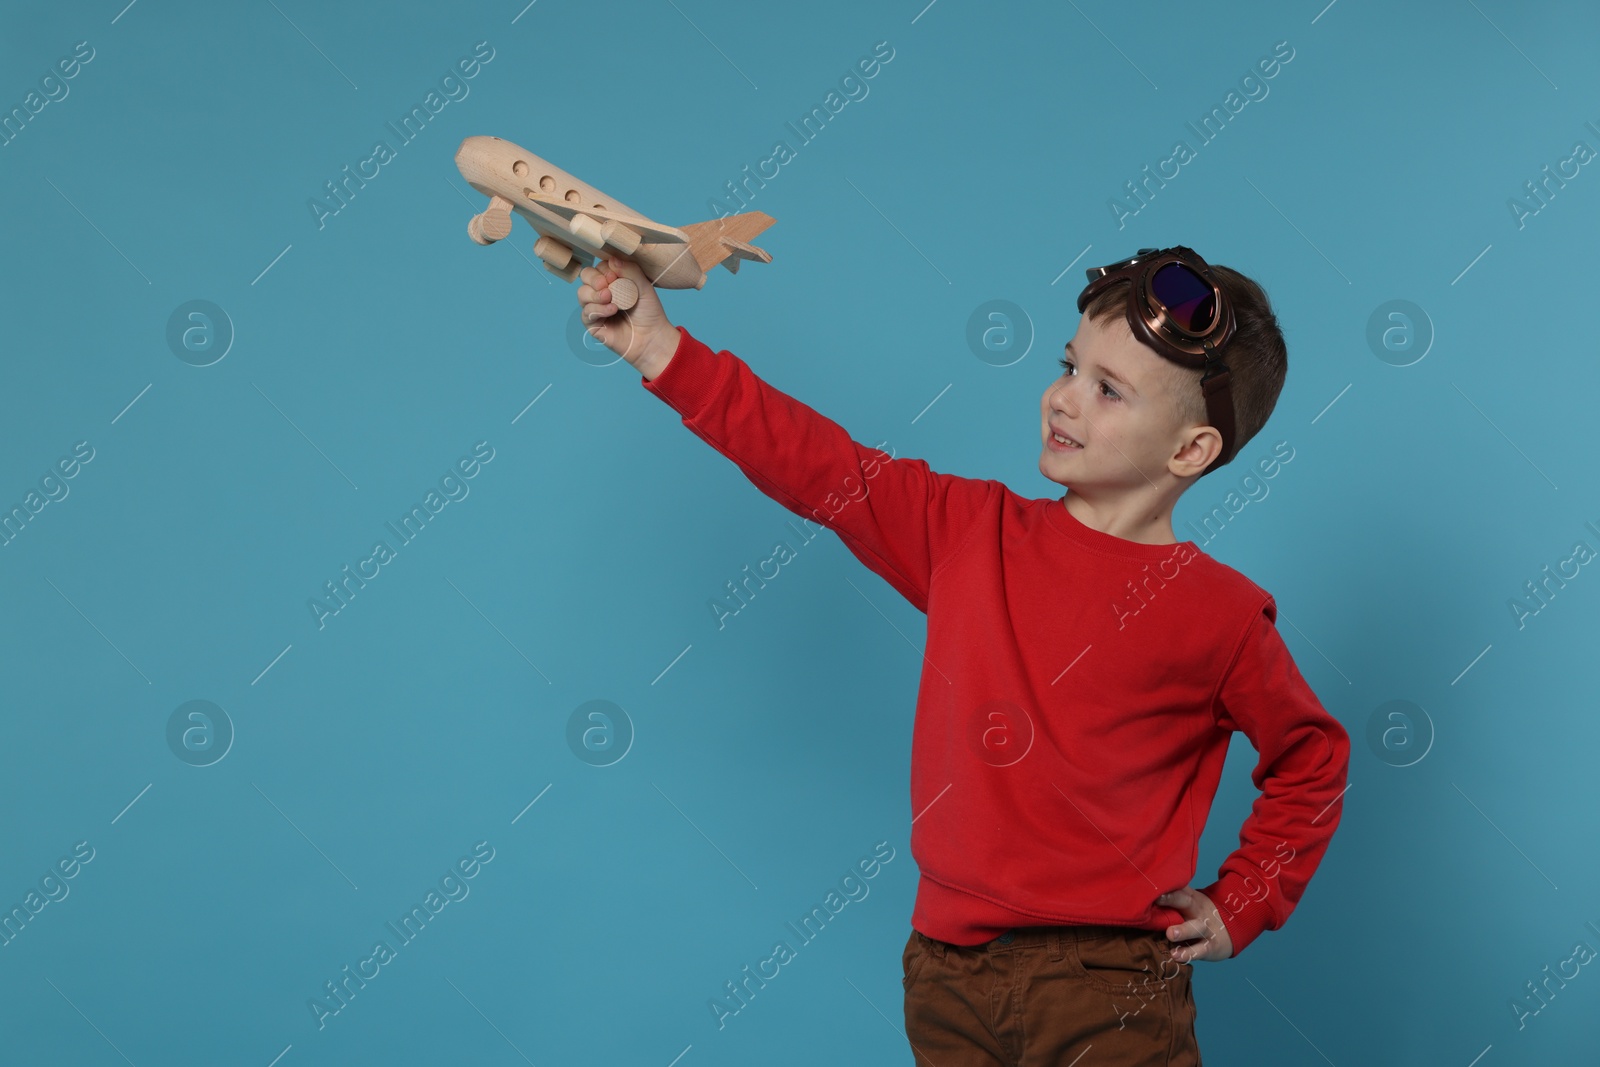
(1257, 358)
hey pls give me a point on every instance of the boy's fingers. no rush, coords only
(627, 268)
(1179, 900)
(596, 277)
(593, 287)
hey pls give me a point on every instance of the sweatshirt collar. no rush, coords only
(1058, 516)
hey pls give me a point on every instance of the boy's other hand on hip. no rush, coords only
(1202, 936)
(641, 335)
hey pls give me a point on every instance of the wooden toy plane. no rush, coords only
(579, 224)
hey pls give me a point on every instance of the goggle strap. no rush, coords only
(1217, 379)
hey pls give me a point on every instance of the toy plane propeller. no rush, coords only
(578, 224)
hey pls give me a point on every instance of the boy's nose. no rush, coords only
(1061, 399)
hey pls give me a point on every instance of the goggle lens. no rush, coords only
(1187, 297)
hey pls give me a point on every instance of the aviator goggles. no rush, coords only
(1176, 307)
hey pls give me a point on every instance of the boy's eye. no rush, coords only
(1105, 390)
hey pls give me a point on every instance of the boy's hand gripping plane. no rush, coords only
(579, 224)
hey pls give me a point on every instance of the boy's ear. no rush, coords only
(1200, 447)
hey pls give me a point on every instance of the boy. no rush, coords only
(1083, 672)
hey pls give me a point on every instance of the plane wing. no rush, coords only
(645, 228)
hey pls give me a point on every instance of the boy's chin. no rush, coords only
(1053, 475)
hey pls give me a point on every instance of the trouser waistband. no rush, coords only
(1049, 937)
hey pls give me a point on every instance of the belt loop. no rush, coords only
(937, 945)
(1055, 944)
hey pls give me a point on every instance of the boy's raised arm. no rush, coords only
(896, 515)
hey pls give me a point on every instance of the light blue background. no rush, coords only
(373, 753)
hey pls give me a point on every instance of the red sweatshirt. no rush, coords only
(1078, 690)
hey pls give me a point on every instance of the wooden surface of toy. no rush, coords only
(624, 293)
(578, 225)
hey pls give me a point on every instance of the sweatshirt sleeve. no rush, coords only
(897, 516)
(1304, 756)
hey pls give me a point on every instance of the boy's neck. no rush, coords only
(1127, 519)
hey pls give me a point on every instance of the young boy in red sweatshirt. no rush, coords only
(1083, 671)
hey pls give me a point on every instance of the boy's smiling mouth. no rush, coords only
(1060, 442)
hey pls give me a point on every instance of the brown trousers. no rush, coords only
(1043, 996)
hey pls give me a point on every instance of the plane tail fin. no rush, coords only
(727, 240)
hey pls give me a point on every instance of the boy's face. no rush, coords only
(1117, 399)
